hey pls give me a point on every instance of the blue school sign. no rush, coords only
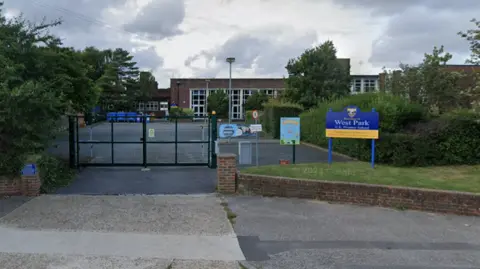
(352, 123)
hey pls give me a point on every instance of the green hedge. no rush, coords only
(273, 111)
(408, 137)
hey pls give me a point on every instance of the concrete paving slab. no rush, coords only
(134, 245)
(294, 233)
(49, 261)
(169, 214)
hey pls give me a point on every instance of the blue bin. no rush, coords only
(131, 116)
(111, 116)
(121, 116)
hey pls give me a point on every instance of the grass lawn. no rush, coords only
(458, 178)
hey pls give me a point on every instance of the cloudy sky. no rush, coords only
(192, 38)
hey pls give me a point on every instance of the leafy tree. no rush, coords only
(147, 85)
(119, 81)
(473, 38)
(428, 83)
(39, 82)
(256, 101)
(317, 75)
(218, 102)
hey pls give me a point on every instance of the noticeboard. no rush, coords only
(290, 131)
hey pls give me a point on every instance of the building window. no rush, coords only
(357, 86)
(163, 106)
(369, 85)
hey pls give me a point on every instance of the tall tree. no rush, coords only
(120, 80)
(428, 83)
(147, 85)
(473, 38)
(256, 101)
(218, 102)
(317, 75)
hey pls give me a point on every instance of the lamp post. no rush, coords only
(230, 60)
(178, 94)
(206, 97)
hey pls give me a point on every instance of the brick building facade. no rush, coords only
(193, 92)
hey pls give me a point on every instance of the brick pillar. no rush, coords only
(31, 185)
(226, 172)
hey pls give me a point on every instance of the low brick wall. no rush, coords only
(25, 185)
(363, 194)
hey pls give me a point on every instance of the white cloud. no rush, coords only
(184, 38)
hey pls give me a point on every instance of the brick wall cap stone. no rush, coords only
(227, 155)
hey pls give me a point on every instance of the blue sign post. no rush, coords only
(352, 123)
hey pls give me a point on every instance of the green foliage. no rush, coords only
(429, 83)
(256, 101)
(178, 112)
(273, 111)
(40, 81)
(54, 173)
(317, 75)
(473, 38)
(218, 102)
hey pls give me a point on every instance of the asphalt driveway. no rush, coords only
(304, 234)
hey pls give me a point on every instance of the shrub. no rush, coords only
(54, 173)
(181, 112)
(273, 111)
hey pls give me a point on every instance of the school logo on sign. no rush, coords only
(352, 111)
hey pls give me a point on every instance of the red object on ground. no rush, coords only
(284, 162)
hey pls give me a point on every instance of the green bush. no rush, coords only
(408, 137)
(180, 112)
(273, 111)
(54, 172)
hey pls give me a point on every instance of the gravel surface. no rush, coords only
(170, 214)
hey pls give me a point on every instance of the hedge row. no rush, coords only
(408, 136)
(273, 111)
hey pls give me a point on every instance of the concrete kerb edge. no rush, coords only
(236, 140)
(326, 150)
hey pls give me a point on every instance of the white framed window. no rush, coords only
(369, 85)
(357, 85)
(163, 106)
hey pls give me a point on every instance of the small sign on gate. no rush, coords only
(151, 133)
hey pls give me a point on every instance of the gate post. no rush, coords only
(71, 141)
(213, 139)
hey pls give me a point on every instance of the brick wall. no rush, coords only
(226, 173)
(9, 187)
(25, 185)
(363, 194)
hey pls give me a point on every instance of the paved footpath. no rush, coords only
(135, 232)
